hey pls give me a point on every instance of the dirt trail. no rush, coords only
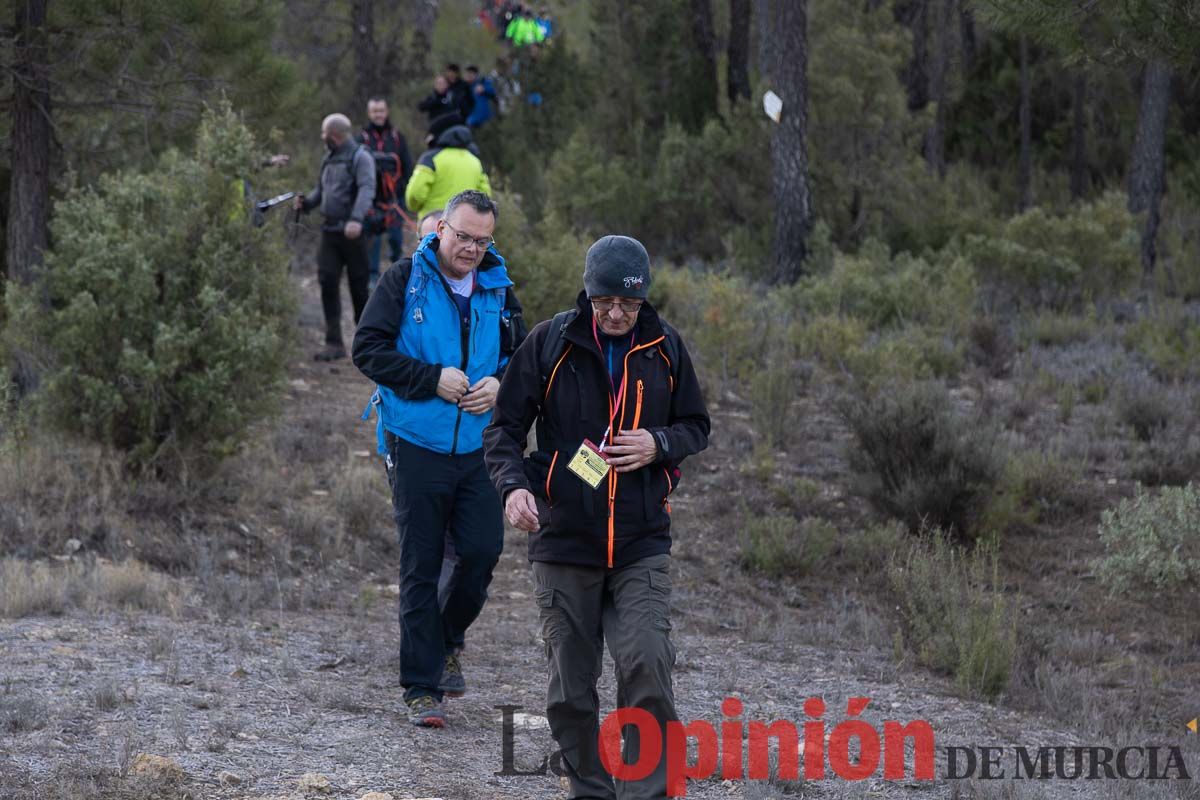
(276, 694)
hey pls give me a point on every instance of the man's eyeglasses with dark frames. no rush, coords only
(464, 239)
(604, 306)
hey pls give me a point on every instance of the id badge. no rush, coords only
(588, 465)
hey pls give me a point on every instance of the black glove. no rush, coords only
(537, 469)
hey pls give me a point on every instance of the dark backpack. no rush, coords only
(512, 318)
(555, 344)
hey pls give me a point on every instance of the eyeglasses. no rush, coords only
(606, 305)
(464, 239)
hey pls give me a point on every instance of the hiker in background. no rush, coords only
(439, 102)
(243, 201)
(393, 168)
(545, 23)
(524, 30)
(485, 95)
(429, 223)
(462, 99)
(345, 191)
(450, 165)
(435, 337)
(617, 406)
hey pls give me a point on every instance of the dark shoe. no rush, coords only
(453, 683)
(331, 353)
(425, 712)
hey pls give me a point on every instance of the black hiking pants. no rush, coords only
(435, 495)
(336, 252)
(630, 608)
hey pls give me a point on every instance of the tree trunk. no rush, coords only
(738, 69)
(366, 54)
(1147, 171)
(789, 149)
(935, 142)
(914, 15)
(29, 190)
(706, 45)
(970, 42)
(763, 10)
(1079, 136)
(1025, 116)
(424, 17)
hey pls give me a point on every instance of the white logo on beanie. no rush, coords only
(633, 280)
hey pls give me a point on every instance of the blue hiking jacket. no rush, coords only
(410, 330)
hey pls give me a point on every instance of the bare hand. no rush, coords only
(521, 510)
(481, 397)
(298, 202)
(452, 384)
(353, 229)
(632, 450)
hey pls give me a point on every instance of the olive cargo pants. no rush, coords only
(629, 607)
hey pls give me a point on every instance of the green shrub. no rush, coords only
(1170, 338)
(991, 346)
(1152, 542)
(1046, 484)
(166, 326)
(1051, 329)
(1043, 260)
(733, 330)
(1172, 458)
(773, 391)
(873, 548)
(919, 460)
(778, 545)
(883, 291)
(956, 617)
(1146, 407)
(545, 261)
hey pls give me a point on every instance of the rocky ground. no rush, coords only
(275, 702)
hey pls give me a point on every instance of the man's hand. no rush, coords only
(632, 450)
(353, 229)
(452, 384)
(481, 397)
(298, 203)
(521, 510)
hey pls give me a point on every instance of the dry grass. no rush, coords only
(31, 588)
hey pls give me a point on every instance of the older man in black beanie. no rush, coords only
(618, 406)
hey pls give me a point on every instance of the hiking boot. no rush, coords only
(425, 712)
(333, 352)
(453, 683)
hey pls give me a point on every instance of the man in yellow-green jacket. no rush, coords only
(450, 166)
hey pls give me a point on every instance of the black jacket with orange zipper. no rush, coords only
(627, 516)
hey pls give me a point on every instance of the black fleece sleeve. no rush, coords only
(517, 406)
(690, 424)
(374, 351)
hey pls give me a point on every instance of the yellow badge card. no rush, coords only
(588, 464)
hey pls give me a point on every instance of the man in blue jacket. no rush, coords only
(434, 337)
(485, 95)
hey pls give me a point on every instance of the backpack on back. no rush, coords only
(555, 344)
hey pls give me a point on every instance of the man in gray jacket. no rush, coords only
(345, 192)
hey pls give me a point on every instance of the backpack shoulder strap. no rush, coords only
(670, 349)
(554, 344)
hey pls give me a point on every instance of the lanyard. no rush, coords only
(614, 396)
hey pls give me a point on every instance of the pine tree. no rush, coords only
(98, 85)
